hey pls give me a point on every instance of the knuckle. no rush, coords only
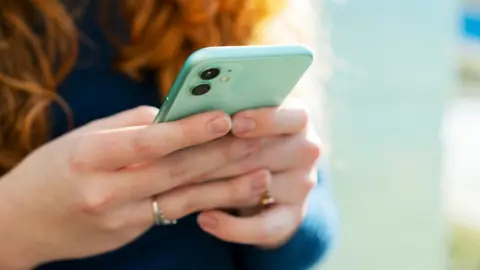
(308, 182)
(94, 202)
(304, 116)
(185, 207)
(178, 171)
(139, 145)
(237, 193)
(144, 112)
(111, 223)
(254, 144)
(76, 164)
(76, 161)
(232, 149)
(300, 109)
(179, 202)
(312, 149)
(239, 147)
(240, 193)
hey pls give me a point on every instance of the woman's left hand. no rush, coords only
(291, 149)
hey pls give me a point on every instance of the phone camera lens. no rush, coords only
(200, 89)
(210, 73)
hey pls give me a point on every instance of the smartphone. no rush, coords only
(235, 78)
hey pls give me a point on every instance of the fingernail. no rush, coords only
(243, 125)
(207, 221)
(219, 125)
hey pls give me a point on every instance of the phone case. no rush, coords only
(250, 77)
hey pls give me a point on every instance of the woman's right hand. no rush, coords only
(90, 191)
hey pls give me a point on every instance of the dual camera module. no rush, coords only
(206, 75)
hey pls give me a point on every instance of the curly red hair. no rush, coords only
(39, 44)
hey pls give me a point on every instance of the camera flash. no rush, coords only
(225, 79)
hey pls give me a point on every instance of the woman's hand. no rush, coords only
(91, 190)
(291, 149)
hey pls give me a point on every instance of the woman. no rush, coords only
(87, 198)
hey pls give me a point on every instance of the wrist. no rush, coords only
(15, 251)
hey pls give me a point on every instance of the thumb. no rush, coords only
(269, 228)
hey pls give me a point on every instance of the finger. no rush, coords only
(128, 218)
(241, 191)
(292, 187)
(289, 188)
(184, 167)
(272, 227)
(117, 148)
(269, 122)
(277, 154)
(139, 116)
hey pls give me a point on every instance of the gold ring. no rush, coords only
(158, 217)
(267, 199)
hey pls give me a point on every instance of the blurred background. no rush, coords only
(403, 118)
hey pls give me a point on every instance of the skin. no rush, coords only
(90, 191)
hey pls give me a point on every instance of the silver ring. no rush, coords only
(158, 217)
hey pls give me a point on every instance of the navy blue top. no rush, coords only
(95, 90)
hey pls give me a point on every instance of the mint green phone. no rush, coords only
(234, 79)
